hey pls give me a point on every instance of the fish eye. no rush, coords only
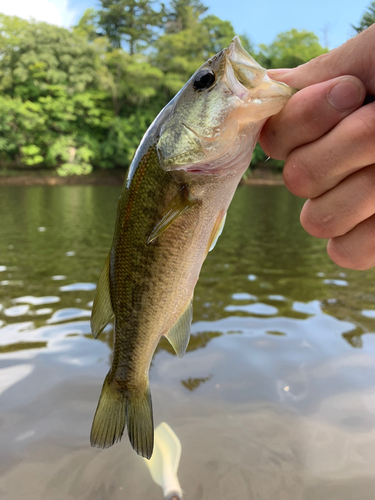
(204, 80)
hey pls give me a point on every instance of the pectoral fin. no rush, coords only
(179, 334)
(216, 231)
(102, 311)
(178, 206)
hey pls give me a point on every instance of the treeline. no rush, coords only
(79, 99)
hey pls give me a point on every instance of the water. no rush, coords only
(275, 398)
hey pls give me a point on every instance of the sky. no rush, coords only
(261, 20)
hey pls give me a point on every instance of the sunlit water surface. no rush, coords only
(274, 400)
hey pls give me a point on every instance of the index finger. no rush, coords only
(310, 114)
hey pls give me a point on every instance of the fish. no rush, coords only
(170, 214)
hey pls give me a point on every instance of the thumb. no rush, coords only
(355, 57)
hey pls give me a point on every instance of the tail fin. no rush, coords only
(114, 408)
(140, 423)
(109, 421)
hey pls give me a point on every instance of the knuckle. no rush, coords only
(363, 130)
(317, 222)
(300, 177)
(345, 254)
(367, 187)
(370, 178)
(339, 253)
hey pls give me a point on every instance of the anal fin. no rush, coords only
(179, 205)
(179, 334)
(102, 311)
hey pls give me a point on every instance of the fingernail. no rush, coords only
(273, 73)
(345, 95)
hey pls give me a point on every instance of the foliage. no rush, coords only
(20, 122)
(74, 100)
(183, 14)
(87, 25)
(123, 138)
(188, 42)
(38, 59)
(368, 18)
(132, 21)
(129, 79)
(290, 49)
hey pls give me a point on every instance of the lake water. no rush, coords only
(274, 400)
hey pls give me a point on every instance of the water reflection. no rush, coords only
(259, 309)
(36, 301)
(193, 383)
(21, 346)
(274, 398)
(75, 287)
(68, 314)
(16, 311)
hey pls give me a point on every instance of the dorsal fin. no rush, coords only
(179, 334)
(180, 203)
(102, 311)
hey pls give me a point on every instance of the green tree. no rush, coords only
(38, 59)
(130, 79)
(368, 18)
(290, 49)
(132, 21)
(74, 100)
(219, 34)
(181, 50)
(53, 111)
(87, 26)
(183, 14)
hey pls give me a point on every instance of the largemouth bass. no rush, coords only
(171, 211)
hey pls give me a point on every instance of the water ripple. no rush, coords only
(312, 307)
(335, 282)
(259, 308)
(68, 314)
(74, 287)
(244, 296)
(369, 313)
(277, 297)
(43, 311)
(36, 301)
(14, 311)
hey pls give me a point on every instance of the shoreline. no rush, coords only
(259, 177)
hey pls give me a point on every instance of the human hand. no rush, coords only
(328, 142)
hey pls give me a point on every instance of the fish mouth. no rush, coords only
(248, 80)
